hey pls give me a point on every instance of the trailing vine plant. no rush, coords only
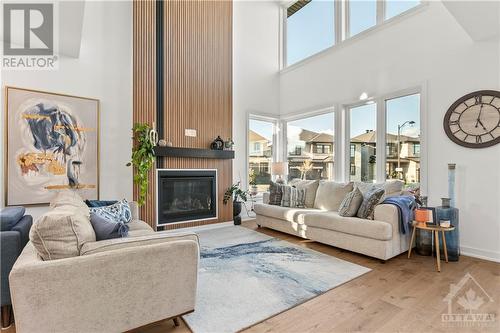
(143, 157)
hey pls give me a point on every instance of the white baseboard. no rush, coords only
(480, 254)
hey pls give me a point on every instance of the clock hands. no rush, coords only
(478, 120)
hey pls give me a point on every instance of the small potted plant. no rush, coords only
(236, 193)
(253, 182)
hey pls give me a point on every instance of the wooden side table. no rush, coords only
(435, 230)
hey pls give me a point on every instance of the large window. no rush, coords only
(310, 29)
(403, 139)
(363, 142)
(362, 15)
(260, 152)
(310, 147)
(312, 26)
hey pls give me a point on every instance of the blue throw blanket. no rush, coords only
(406, 206)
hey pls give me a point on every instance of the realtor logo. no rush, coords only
(465, 300)
(28, 36)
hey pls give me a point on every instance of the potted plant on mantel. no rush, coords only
(236, 193)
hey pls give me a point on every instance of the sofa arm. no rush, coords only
(111, 291)
(134, 209)
(23, 227)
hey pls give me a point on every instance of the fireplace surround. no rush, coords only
(185, 195)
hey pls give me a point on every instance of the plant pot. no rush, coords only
(254, 190)
(236, 212)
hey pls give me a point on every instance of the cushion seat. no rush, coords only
(284, 213)
(350, 225)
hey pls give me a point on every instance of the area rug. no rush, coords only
(246, 277)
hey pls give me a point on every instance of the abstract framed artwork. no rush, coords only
(52, 144)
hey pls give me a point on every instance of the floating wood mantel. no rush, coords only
(194, 153)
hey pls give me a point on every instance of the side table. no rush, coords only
(435, 230)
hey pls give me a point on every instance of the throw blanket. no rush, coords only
(406, 206)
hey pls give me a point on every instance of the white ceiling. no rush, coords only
(480, 19)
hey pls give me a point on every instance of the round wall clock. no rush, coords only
(473, 121)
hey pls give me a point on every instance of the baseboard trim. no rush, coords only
(480, 254)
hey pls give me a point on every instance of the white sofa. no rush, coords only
(379, 238)
(113, 285)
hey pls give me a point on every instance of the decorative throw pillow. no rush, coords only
(310, 187)
(351, 203)
(370, 200)
(70, 198)
(118, 212)
(391, 187)
(275, 194)
(293, 197)
(100, 203)
(105, 229)
(330, 194)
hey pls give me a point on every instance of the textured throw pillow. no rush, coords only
(330, 195)
(351, 203)
(118, 212)
(391, 187)
(310, 187)
(275, 194)
(370, 200)
(100, 203)
(105, 229)
(70, 198)
(293, 197)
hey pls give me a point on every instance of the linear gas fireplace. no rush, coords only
(186, 195)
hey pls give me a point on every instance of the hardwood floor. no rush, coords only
(402, 295)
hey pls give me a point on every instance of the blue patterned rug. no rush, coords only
(246, 277)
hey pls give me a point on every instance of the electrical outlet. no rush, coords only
(190, 132)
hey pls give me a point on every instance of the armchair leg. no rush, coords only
(176, 321)
(6, 316)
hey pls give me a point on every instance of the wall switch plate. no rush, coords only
(190, 132)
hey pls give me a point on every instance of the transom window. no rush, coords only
(312, 26)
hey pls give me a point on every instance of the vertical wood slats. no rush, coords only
(144, 87)
(197, 85)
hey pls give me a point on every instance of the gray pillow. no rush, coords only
(293, 197)
(370, 200)
(106, 229)
(275, 194)
(351, 203)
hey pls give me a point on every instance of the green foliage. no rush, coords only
(143, 157)
(252, 177)
(235, 191)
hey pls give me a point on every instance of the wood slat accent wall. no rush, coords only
(144, 85)
(197, 84)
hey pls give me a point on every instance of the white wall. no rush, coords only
(431, 49)
(255, 70)
(103, 71)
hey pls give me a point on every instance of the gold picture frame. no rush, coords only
(52, 142)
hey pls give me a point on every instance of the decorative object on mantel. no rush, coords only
(169, 144)
(472, 120)
(236, 193)
(228, 145)
(217, 144)
(143, 157)
(278, 169)
(153, 135)
(162, 143)
(52, 143)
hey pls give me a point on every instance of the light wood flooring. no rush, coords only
(402, 295)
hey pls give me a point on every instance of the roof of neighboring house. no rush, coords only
(254, 136)
(312, 137)
(371, 137)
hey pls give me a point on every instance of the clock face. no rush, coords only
(474, 120)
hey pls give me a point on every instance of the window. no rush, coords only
(403, 133)
(363, 124)
(260, 144)
(310, 29)
(312, 26)
(309, 142)
(396, 7)
(362, 15)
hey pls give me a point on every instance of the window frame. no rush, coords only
(341, 27)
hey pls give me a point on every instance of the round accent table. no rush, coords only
(435, 230)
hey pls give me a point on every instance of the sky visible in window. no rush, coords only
(402, 109)
(363, 118)
(396, 7)
(310, 30)
(264, 128)
(363, 15)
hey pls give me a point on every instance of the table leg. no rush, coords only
(412, 240)
(445, 249)
(438, 255)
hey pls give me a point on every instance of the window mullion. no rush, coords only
(380, 11)
(381, 140)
